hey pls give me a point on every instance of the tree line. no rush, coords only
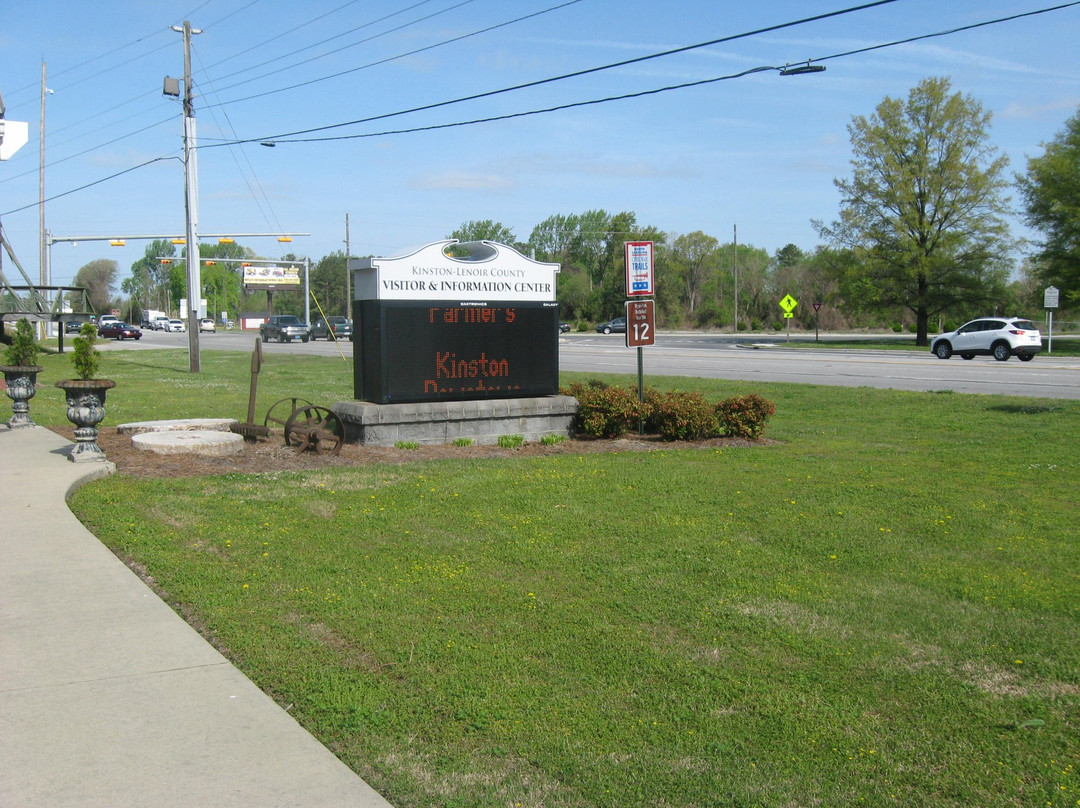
(921, 242)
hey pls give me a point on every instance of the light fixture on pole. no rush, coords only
(801, 69)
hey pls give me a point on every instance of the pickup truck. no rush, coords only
(284, 328)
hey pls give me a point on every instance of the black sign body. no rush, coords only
(412, 351)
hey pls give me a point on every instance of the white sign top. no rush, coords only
(491, 271)
(13, 135)
(1051, 297)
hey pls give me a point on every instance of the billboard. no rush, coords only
(268, 277)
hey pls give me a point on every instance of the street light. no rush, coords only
(801, 69)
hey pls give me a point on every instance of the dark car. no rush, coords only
(563, 327)
(284, 328)
(73, 326)
(340, 327)
(616, 326)
(118, 330)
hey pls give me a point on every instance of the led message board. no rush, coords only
(433, 327)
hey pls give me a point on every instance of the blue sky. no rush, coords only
(759, 152)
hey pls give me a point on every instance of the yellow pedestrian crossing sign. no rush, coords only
(788, 303)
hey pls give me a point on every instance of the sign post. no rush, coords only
(817, 320)
(788, 304)
(640, 314)
(1050, 302)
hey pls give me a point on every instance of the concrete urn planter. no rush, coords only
(20, 382)
(86, 409)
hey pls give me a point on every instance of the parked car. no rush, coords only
(207, 325)
(118, 330)
(160, 323)
(616, 326)
(73, 326)
(284, 328)
(563, 327)
(175, 325)
(999, 337)
(340, 327)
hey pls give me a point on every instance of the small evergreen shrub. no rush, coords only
(24, 348)
(85, 357)
(684, 416)
(744, 416)
(511, 441)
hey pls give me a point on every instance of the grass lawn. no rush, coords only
(878, 607)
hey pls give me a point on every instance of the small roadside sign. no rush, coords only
(640, 323)
(1051, 297)
(788, 303)
(817, 307)
(639, 268)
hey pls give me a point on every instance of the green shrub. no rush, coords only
(511, 441)
(898, 328)
(407, 444)
(24, 348)
(609, 412)
(744, 416)
(582, 326)
(551, 440)
(463, 442)
(604, 412)
(684, 416)
(85, 357)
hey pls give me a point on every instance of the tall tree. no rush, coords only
(98, 278)
(485, 230)
(924, 208)
(1051, 193)
(694, 256)
(328, 284)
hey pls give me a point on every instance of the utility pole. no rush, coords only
(348, 275)
(735, 270)
(191, 205)
(43, 262)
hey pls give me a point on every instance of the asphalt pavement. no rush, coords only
(107, 697)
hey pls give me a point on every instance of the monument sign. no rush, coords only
(453, 322)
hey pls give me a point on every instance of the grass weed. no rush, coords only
(879, 606)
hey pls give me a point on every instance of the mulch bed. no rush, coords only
(272, 455)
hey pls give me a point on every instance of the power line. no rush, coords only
(390, 58)
(291, 137)
(278, 58)
(576, 73)
(90, 184)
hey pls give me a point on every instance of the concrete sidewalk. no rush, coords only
(107, 697)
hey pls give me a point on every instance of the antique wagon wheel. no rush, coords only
(277, 414)
(315, 428)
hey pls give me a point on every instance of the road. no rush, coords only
(742, 358)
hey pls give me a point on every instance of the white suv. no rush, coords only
(999, 337)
